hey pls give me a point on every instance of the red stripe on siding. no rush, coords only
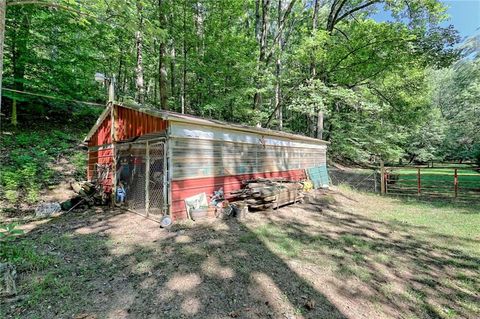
(190, 187)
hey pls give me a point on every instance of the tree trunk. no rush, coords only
(139, 46)
(316, 6)
(172, 52)
(278, 66)
(3, 9)
(184, 49)
(264, 29)
(257, 20)
(163, 79)
(257, 99)
(319, 126)
(14, 120)
(162, 70)
(119, 72)
(172, 73)
(19, 62)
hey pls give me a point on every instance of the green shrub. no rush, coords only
(26, 166)
(10, 181)
(11, 195)
(9, 231)
(79, 160)
(22, 253)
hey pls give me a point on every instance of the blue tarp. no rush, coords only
(318, 176)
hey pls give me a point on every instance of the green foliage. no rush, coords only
(29, 160)
(9, 231)
(22, 253)
(352, 68)
(456, 92)
(79, 161)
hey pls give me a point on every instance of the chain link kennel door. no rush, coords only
(142, 173)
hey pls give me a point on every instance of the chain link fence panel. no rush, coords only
(141, 172)
(156, 185)
(360, 179)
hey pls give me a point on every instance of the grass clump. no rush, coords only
(20, 252)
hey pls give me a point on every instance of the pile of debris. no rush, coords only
(87, 195)
(261, 194)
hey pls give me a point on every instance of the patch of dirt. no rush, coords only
(59, 192)
(321, 259)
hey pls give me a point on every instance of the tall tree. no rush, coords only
(139, 47)
(278, 69)
(3, 11)
(162, 69)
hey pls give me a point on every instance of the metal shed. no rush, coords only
(163, 157)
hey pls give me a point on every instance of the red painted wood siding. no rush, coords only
(101, 137)
(132, 123)
(104, 157)
(182, 189)
(103, 134)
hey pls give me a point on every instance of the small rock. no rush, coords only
(8, 275)
(47, 209)
(310, 304)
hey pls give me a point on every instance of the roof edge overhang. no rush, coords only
(190, 119)
(247, 129)
(99, 122)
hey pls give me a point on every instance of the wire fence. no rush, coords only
(360, 179)
(443, 182)
(141, 174)
(462, 184)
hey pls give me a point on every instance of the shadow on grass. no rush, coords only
(114, 265)
(469, 205)
(316, 260)
(404, 269)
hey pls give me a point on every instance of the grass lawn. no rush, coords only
(344, 254)
(436, 182)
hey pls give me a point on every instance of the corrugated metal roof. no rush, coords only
(177, 117)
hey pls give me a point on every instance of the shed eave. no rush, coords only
(190, 119)
(246, 129)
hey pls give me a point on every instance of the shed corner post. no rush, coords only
(113, 137)
(169, 167)
(147, 178)
(166, 187)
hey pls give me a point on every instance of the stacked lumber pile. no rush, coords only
(84, 189)
(261, 194)
(87, 196)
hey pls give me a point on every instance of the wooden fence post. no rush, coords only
(419, 179)
(455, 182)
(382, 177)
